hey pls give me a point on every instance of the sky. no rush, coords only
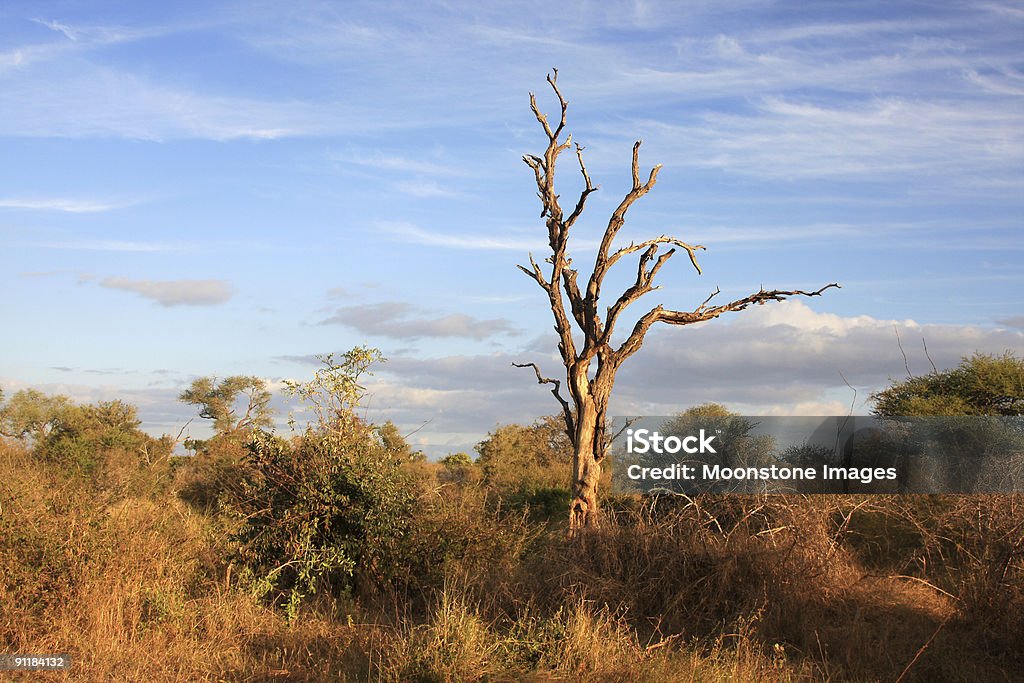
(223, 188)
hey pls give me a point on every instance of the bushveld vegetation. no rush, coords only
(338, 553)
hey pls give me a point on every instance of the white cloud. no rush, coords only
(788, 353)
(99, 102)
(424, 189)
(69, 33)
(885, 137)
(391, 162)
(1005, 82)
(110, 245)
(417, 235)
(80, 39)
(61, 204)
(779, 359)
(404, 321)
(174, 292)
(854, 29)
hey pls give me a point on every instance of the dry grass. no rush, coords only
(719, 589)
(136, 591)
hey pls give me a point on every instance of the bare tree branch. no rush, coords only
(902, 352)
(406, 436)
(615, 223)
(664, 239)
(535, 273)
(630, 421)
(566, 409)
(643, 285)
(182, 431)
(584, 194)
(704, 312)
(760, 297)
(927, 355)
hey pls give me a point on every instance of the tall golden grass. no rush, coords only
(136, 584)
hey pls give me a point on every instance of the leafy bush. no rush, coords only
(332, 507)
(322, 511)
(30, 414)
(982, 384)
(100, 443)
(527, 465)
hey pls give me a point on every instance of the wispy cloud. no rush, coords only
(412, 233)
(100, 101)
(841, 99)
(174, 292)
(321, 33)
(1004, 82)
(788, 138)
(795, 353)
(110, 245)
(61, 204)
(89, 35)
(753, 237)
(44, 273)
(79, 39)
(424, 189)
(404, 321)
(338, 293)
(844, 30)
(391, 162)
(69, 33)
(1003, 10)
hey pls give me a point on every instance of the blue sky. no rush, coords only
(223, 188)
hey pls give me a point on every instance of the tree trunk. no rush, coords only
(584, 512)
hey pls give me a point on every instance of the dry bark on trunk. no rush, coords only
(588, 454)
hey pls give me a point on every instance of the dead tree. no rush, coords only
(576, 303)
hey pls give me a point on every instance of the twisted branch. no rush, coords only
(566, 409)
(704, 312)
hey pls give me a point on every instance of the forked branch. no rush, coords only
(691, 250)
(603, 261)
(566, 409)
(587, 190)
(705, 312)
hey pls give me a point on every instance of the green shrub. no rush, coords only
(331, 508)
(98, 443)
(322, 511)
